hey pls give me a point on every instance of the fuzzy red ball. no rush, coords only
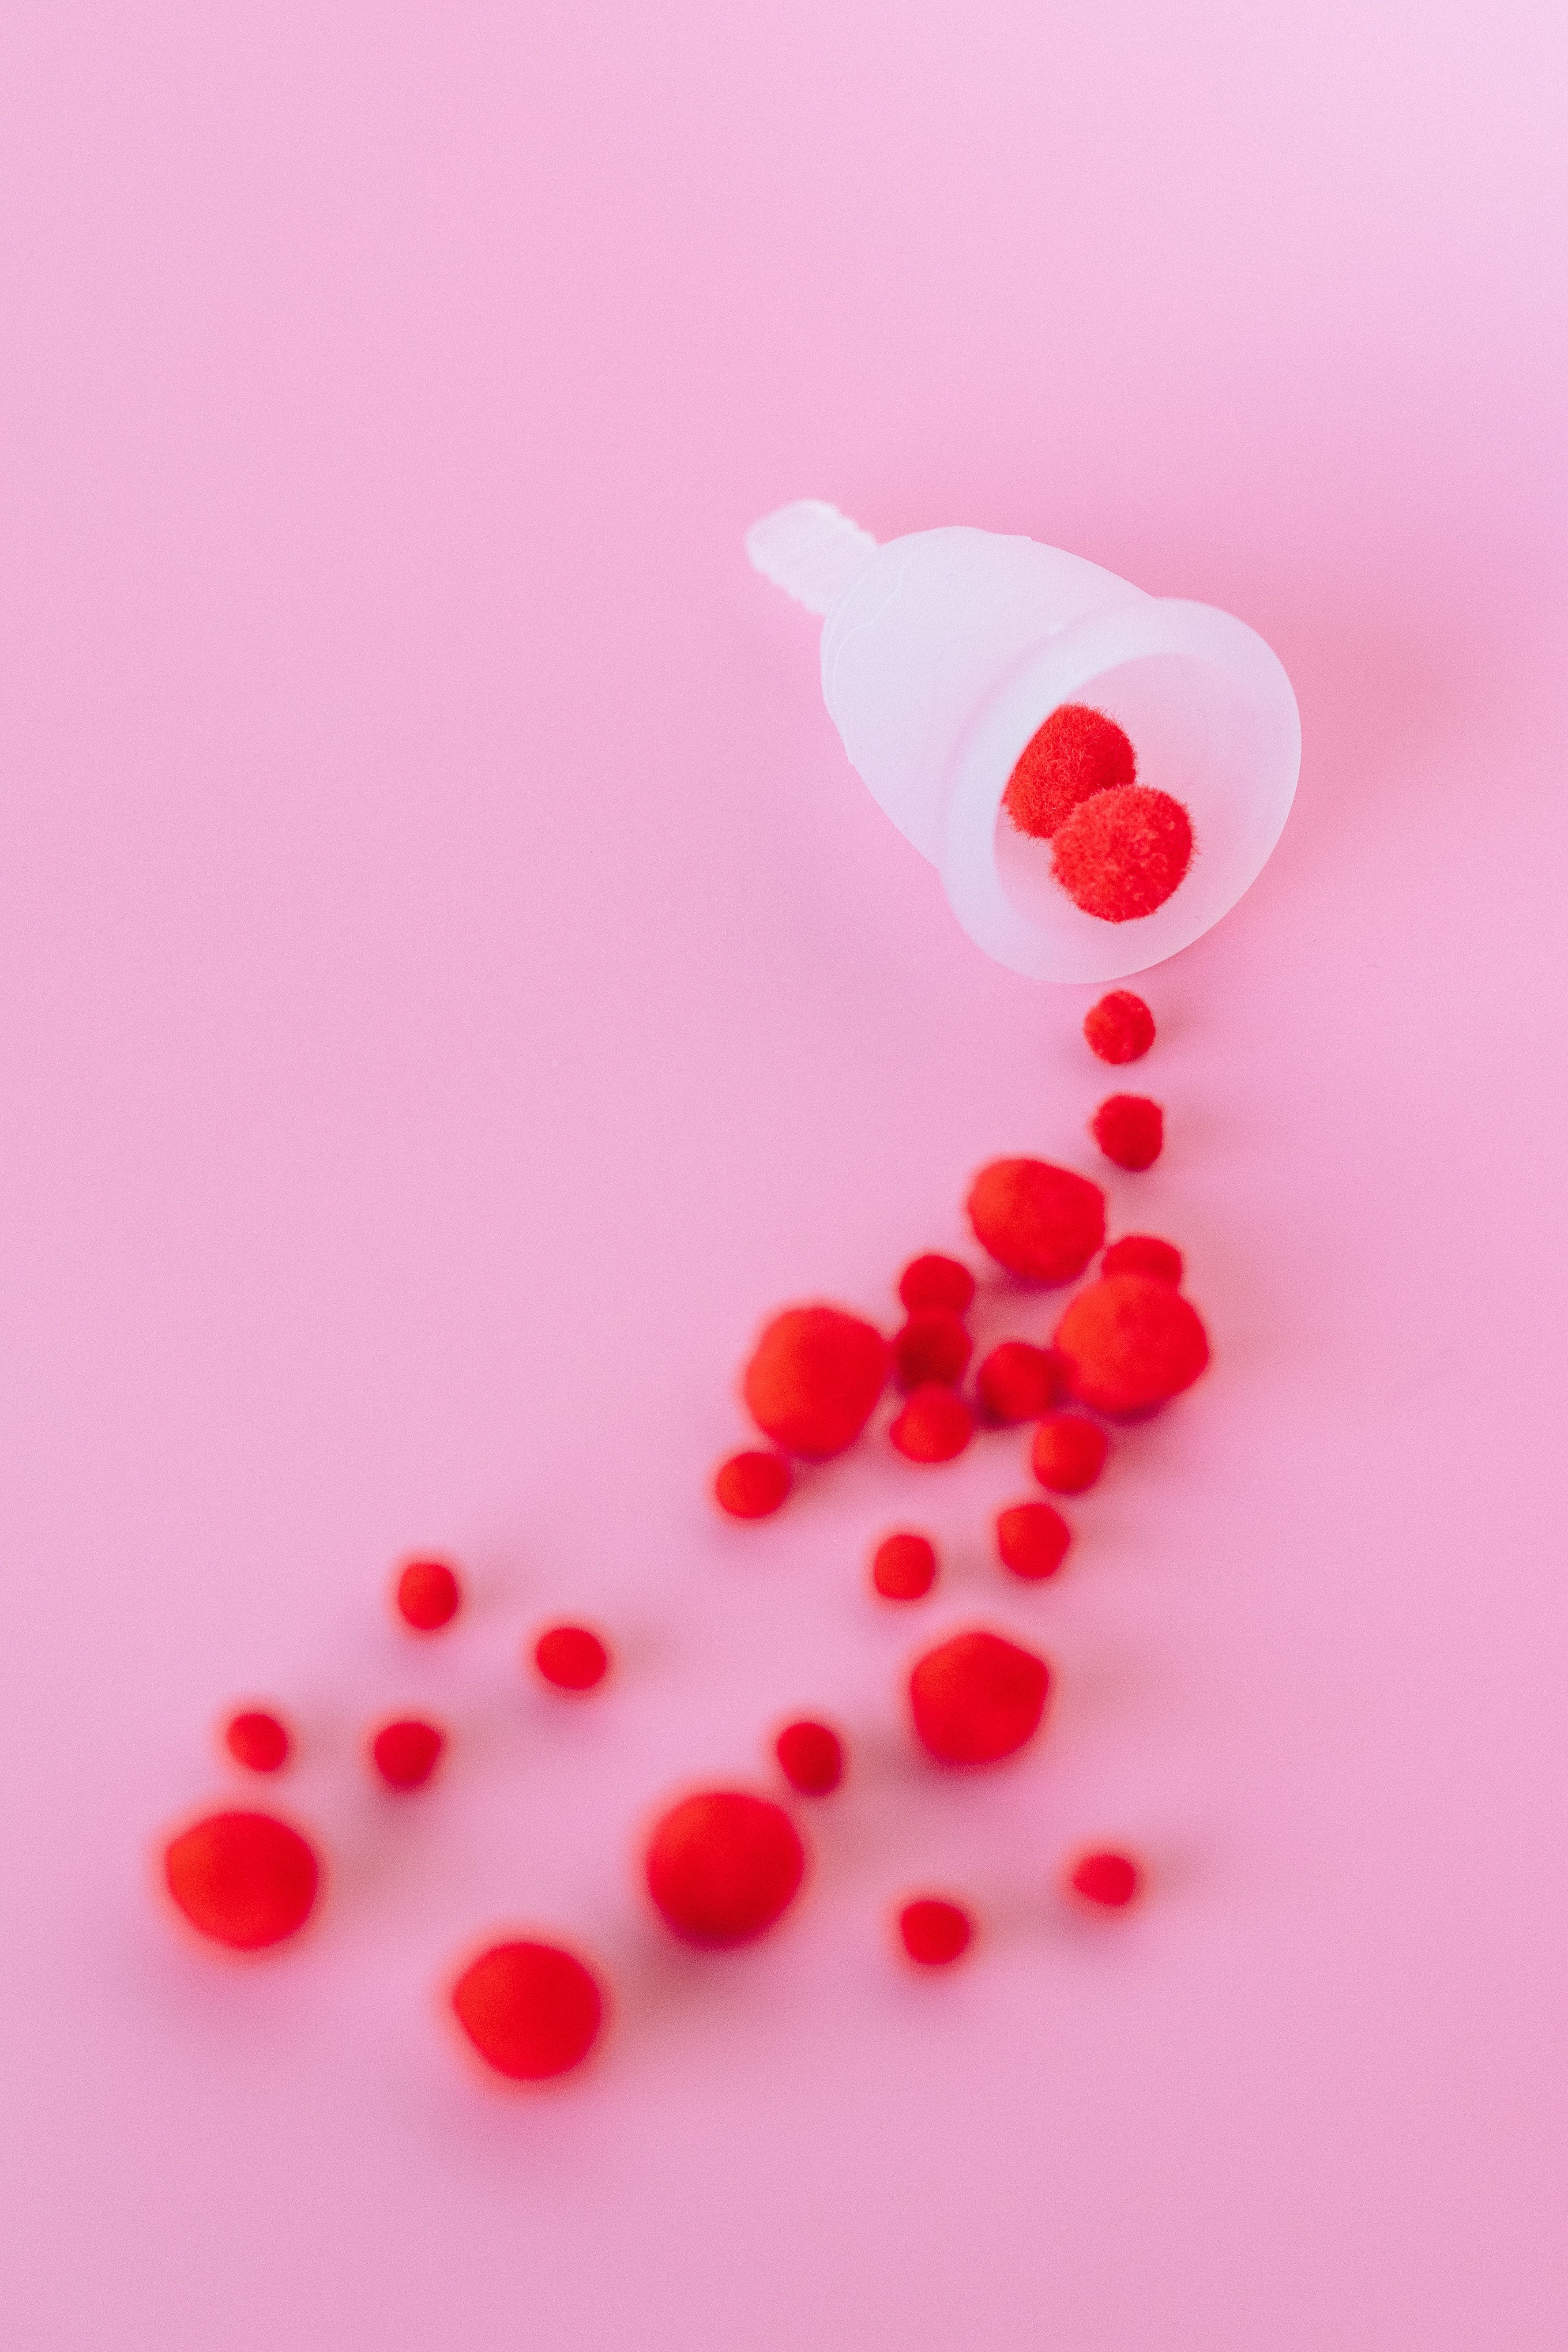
(751, 1484)
(935, 1932)
(531, 2010)
(258, 1740)
(1068, 1452)
(245, 1880)
(428, 1595)
(903, 1566)
(1144, 1254)
(936, 1281)
(933, 1345)
(1130, 1344)
(406, 1752)
(1122, 854)
(977, 1698)
(1032, 1540)
(1017, 1382)
(813, 1379)
(1041, 1222)
(1108, 1880)
(810, 1758)
(1130, 1130)
(572, 1657)
(723, 1866)
(1120, 1028)
(1077, 753)
(935, 1425)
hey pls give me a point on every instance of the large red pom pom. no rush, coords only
(814, 1380)
(977, 1698)
(1077, 752)
(244, 1879)
(1041, 1222)
(1130, 1343)
(1121, 854)
(723, 1866)
(530, 2010)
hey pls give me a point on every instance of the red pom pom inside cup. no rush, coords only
(1120, 1028)
(1122, 854)
(935, 1425)
(1032, 1540)
(428, 1595)
(810, 1758)
(1043, 1223)
(1077, 753)
(1068, 1452)
(1144, 1254)
(751, 1484)
(256, 1740)
(723, 1867)
(571, 1658)
(903, 1566)
(977, 1698)
(932, 1347)
(1130, 1130)
(935, 1932)
(405, 1753)
(936, 1281)
(531, 2010)
(1017, 1382)
(1130, 1344)
(1109, 1880)
(813, 1379)
(245, 1880)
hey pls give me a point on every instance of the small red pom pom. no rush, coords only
(1131, 1344)
(1120, 1028)
(428, 1595)
(1122, 854)
(1068, 1452)
(935, 1933)
(571, 1657)
(976, 1698)
(1041, 1222)
(245, 1880)
(1032, 1539)
(531, 2010)
(1077, 752)
(1017, 1382)
(903, 1566)
(936, 1281)
(258, 1740)
(1109, 1880)
(934, 1427)
(933, 1346)
(406, 1753)
(723, 1867)
(1143, 1253)
(813, 1379)
(810, 1758)
(1130, 1130)
(752, 1486)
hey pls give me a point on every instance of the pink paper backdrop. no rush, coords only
(450, 984)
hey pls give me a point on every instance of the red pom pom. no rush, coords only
(935, 1933)
(1121, 854)
(752, 1486)
(571, 1657)
(723, 1866)
(258, 1740)
(244, 1879)
(1109, 1880)
(810, 1758)
(1068, 1452)
(1130, 1130)
(1120, 1028)
(933, 1346)
(934, 1427)
(1039, 1222)
(530, 2010)
(406, 1753)
(1032, 1539)
(1143, 1253)
(1131, 1344)
(428, 1595)
(904, 1568)
(1077, 752)
(936, 1281)
(1017, 1382)
(813, 1379)
(977, 1698)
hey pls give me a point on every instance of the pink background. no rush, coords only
(451, 985)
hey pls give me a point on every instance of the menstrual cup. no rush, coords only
(942, 655)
